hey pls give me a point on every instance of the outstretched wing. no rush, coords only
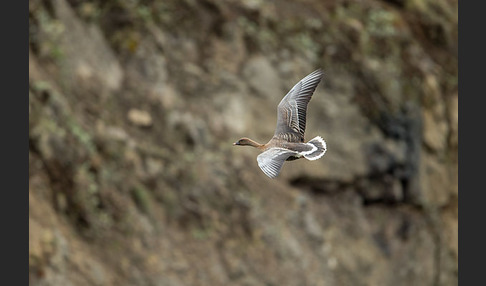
(271, 161)
(292, 109)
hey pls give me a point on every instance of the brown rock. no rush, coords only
(140, 117)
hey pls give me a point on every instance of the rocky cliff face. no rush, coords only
(134, 106)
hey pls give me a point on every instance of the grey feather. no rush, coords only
(292, 109)
(271, 161)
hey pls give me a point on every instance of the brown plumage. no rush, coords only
(288, 141)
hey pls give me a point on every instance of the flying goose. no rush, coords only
(288, 141)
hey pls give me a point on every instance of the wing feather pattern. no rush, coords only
(292, 109)
(271, 161)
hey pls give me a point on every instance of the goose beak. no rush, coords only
(236, 143)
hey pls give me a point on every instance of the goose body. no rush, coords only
(287, 143)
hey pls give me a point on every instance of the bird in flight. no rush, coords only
(288, 141)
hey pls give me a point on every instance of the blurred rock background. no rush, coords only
(134, 106)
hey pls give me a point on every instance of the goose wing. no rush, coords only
(271, 161)
(292, 109)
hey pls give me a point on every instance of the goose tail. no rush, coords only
(320, 148)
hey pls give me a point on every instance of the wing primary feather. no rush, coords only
(271, 160)
(297, 100)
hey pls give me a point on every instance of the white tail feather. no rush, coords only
(319, 149)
